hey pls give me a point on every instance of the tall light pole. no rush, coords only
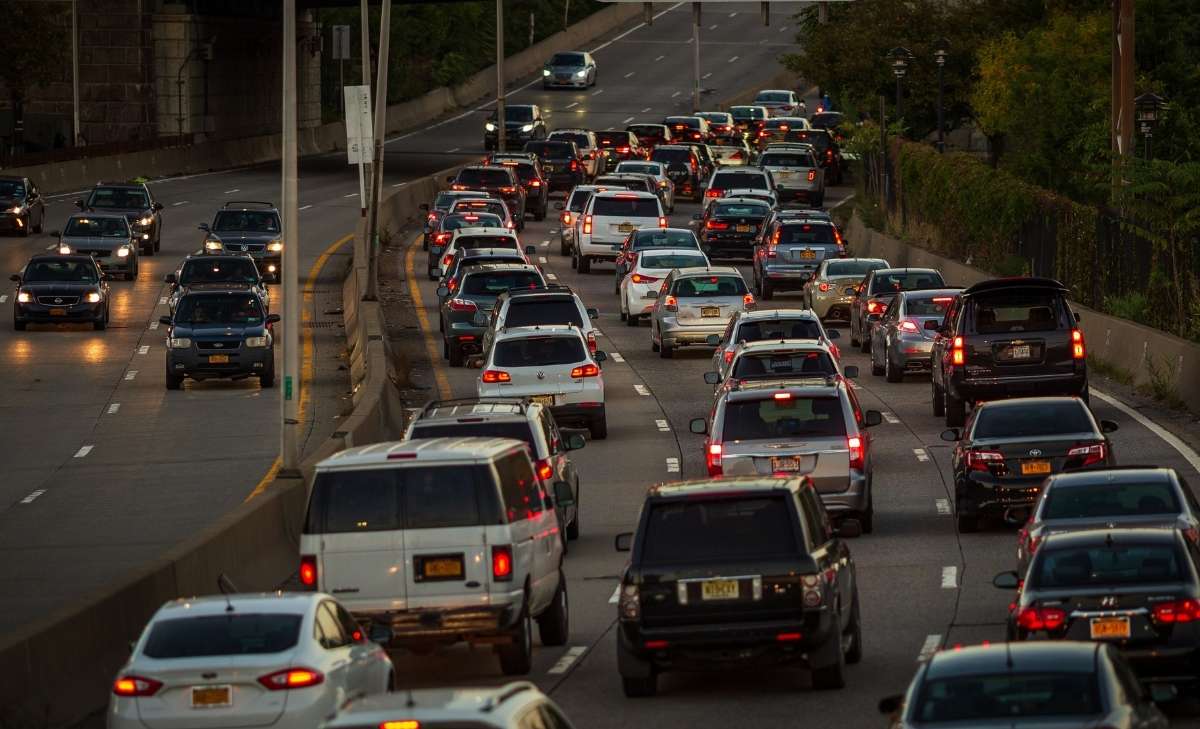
(941, 49)
(501, 119)
(899, 58)
(289, 447)
(380, 127)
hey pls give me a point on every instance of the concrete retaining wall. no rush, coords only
(1142, 351)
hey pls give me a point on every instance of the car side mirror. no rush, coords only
(713, 340)
(15, 277)
(889, 705)
(424, 206)
(712, 378)
(1108, 426)
(79, 204)
(475, 362)
(1006, 580)
(204, 227)
(699, 426)
(164, 320)
(871, 418)
(530, 250)
(850, 529)
(169, 278)
(575, 441)
(593, 313)
(600, 355)
(933, 325)
(273, 318)
(832, 334)
(559, 206)
(623, 542)
(480, 319)
(951, 435)
(850, 372)
(380, 633)
(563, 493)
(697, 216)
(449, 178)
(443, 291)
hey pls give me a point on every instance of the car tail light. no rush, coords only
(566, 218)
(640, 278)
(457, 186)
(958, 352)
(857, 453)
(447, 260)
(462, 305)
(829, 154)
(984, 460)
(812, 590)
(135, 686)
(812, 175)
(507, 190)
(587, 225)
(748, 301)
(502, 563)
(291, 678)
(713, 192)
(405, 724)
(837, 353)
(1078, 351)
(441, 237)
(587, 370)
(670, 303)
(630, 604)
(574, 165)
(728, 356)
(1192, 534)
(591, 342)
(1177, 611)
(431, 217)
(662, 221)
(712, 458)
(789, 637)
(1087, 455)
(544, 469)
(874, 306)
(452, 284)
(909, 326)
(493, 376)
(1041, 618)
(535, 183)
(308, 570)
(822, 287)
(716, 225)
(623, 150)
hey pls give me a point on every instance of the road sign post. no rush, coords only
(359, 136)
(341, 54)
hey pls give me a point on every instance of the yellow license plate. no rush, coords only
(208, 697)
(626, 227)
(782, 464)
(1110, 628)
(710, 311)
(743, 229)
(808, 253)
(58, 312)
(218, 359)
(719, 590)
(449, 567)
(543, 399)
(1035, 468)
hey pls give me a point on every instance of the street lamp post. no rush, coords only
(899, 56)
(1149, 112)
(941, 49)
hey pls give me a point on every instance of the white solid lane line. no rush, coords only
(1188, 454)
(452, 149)
(573, 654)
(921, 455)
(648, 108)
(783, 29)
(713, 26)
(597, 92)
(677, 93)
(705, 76)
(656, 60)
(131, 374)
(672, 465)
(230, 192)
(144, 349)
(663, 426)
(949, 578)
(615, 596)
(112, 409)
(572, 105)
(630, 74)
(84, 451)
(641, 390)
(29, 499)
(943, 507)
(929, 647)
(843, 201)
(353, 194)
(628, 120)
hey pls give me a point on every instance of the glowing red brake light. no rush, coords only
(1088, 454)
(748, 301)
(712, 458)
(566, 218)
(783, 396)
(716, 225)
(135, 686)
(291, 678)
(492, 376)
(713, 192)
(958, 354)
(823, 287)
(1077, 349)
(535, 183)
(639, 278)
(447, 260)
(462, 305)
(1041, 618)
(854, 444)
(728, 356)
(876, 307)
(1177, 611)
(908, 326)
(662, 221)
(587, 370)
(670, 303)
(544, 469)
(984, 460)
(308, 570)
(502, 563)
(591, 342)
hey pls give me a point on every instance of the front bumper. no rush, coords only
(198, 364)
(40, 313)
(556, 81)
(512, 138)
(977, 493)
(998, 388)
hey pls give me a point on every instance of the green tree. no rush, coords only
(32, 54)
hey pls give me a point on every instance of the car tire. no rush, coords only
(666, 351)
(267, 379)
(854, 341)
(158, 241)
(890, 373)
(132, 273)
(146, 249)
(516, 658)
(876, 370)
(554, 624)
(585, 265)
(640, 688)
(967, 523)
(174, 382)
(100, 324)
(563, 248)
(855, 654)
(454, 354)
(956, 410)
(623, 315)
(939, 405)
(573, 528)
(819, 201)
(541, 212)
(633, 320)
(19, 325)
(432, 276)
(867, 518)
(653, 344)
(865, 343)
(616, 286)
(424, 243)
(831, 676)
(599, 428)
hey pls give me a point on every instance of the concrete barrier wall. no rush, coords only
(1143, 352)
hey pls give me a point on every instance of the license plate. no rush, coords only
(442, 567)
(209, 697)
(1020, 351)
(808, 254)
(58, 312)
(1110, 628)
(1035, 468)
(743, 229)
(781, 464)
(710, 311)
(543, 399)
(218, 359)
(626, 227)
(719, 590)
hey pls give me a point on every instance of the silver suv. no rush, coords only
(796, 427)
(694, 305)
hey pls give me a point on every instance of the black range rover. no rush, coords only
(736, 571)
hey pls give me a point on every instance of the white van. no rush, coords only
(442, 540)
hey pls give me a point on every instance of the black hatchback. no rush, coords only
(736, 571)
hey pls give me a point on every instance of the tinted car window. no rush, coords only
(906, 281)
(533, 313)
(258, 221)
(97, 227)
(639, 167)
(632, 207)
(671, 156)
(852, 268)
(1007, 697)
(483, 429)
(611, 138)
(517, 113)
(927, 305)
(239, 309)
(1019, 311)
(567, 59)
(485, 241)
(776, 159)
(12, 189)
(819, 140)
(774, 418)
(1042, 418)
(784, 364)
(646, 130)
(664, 239)
(709, 286)
(741, 210)
(579, 199)
(691, 122)
(740, 181)
(445, 199)
(199, 270)
(579, 138)
(495, 282)
(64, 271)
(483, 178)
(1110, 499)
(722, 530)
(778, 329)
(746, 113)
(538, 351)
(518, 487)
(238, 634)
(807, 233)
(495, 207)
(550, 149)
(473, 220)
(672, 261)
(826, 120)
(117, 198)
(773, 96)
(1120, 564)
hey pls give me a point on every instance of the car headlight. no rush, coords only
(123, 252)
(93, 297)
(527, 128)
(179, 342)
(212, 245)
(258, 342)
(581, 74)
(545, 72)
(24, 297)
(490, 127)
(64, 249)
(16, 210)
(275, 246)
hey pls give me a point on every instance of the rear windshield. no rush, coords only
(646, 130)
(1007, 696)
(1018, 311)
(709, 286)
(473, 220)
(550, 149)
(1101, 500)
(623, 182)
(473, 177)
(1036, 419)
(495, 207)
(773, 96)
(483, 429)
(671, 156)
(757, 331)
(740, 181)
(525, 171)
(1120, 564)
(110, 197)
(415, 497)
(853, 268)
(746, 113)
(96, 228)
(741, 210)
(631, 207)
(232, 634)
(579, 138)
(639, 167)
(718, 530)
(534, 313)
(485, 241)
(677, 122)
(789, 159)
(446, 198)
(579, 198)
(808, 233)
(538, 351)
(773, 418)
(928, 305)
(611, 138)
(784, 364)
(496, 282)
(819, 140)
(826, 120)
(651, 261)
(659, 238)
(906, 281)
(199, 270)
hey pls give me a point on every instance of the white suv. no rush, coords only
(442, 540)
(550, 365)
(518, 705)
(608, 219)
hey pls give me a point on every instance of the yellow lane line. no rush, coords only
(306, 362)
(431, 348)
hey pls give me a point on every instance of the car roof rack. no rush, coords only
(248, 204)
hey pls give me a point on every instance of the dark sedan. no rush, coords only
(55, 289)
(1009, 447)
(22, 209)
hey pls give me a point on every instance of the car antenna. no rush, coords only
(226, 586)
(1108, 540)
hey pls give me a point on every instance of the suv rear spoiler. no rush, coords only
(248, 203)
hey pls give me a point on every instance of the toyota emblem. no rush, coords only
(57, 300)
(541, 375)
(1035, 452)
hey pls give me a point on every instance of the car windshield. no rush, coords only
(542, 312)
(626, 207)
(538, 351)
(240, 309)
(639, 167)
(471, 220)
(12, 189)
(1108, 499)
(747, 113)
(579, 138)
(477, 177)
(115, 197)
(464, 242)
(414, 497)
(1006, 697)
(853, 268)
(740, 209)
(1040, 418)
(706, 286)
(214, 270)
(659, 238)
(567, 59)
(783, 417)
(1018, 311)
(517, 113)
(228, 634)
(716, 117)
(740, 181)
(821, 233)
(927, 305)
(1117, 564)
(475, 429)
(96, 227)
(670, 261)
(64, 271)
(254, 221)
(757, 331)
(671, 156)
(906, 281)
(773, 96)
(785, 159)
(718, 530)
(608, 139)
(494, 282)
(783, 364)
(557, 150)
(819, 140)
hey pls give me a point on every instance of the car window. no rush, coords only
(97, 227)
(541, 311)
(567, 59)
(328, 629)
(237, 634)
(1040, 419)
(774, 96)
(1007, 697)
(473, 220)
(12, 189)
(740, 181)
(626, 207)
(518, 487)
(516, 113)
(639, 167)
(464, 242)
(581, 140)
(107, 197)
(928, 305)
(1106, 499)
(852, 268)
(718, 529)
(659, 238)
(218, 270)
(1104, 565)
(538, 351)
(671, 156)
(255, 221)
(672, 261)
(741, 209)
(706, 286)
(478, 429)
(775, 418)
(779, 159)
(236, 309)
(550, 148)
(905, 281)
(579, 199)
(1018, 311)
(783, 364)
(800, 233)
(64, 271)
(496, 282)
(475, 177)
(812, 522)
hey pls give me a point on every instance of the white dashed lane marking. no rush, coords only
(131, 374)
(943, 507)
(929, 647)
(677, 93)
(353, 194)
(672, 465)
(542, 259)
(641, 390)
(29, 499)
(572, 105)
(552, 277)
(648, 108)
(656, 60)
(229, 192)
(890, 417)
(628, 120)
(452, 149)
(154, 325)
(597, 92)
(84, 451)
(950, 578)
(616, 356)
(181, 202)
(144, 349)
(734, 59)
(162, 300)
(921, 455)
(112, 409)
(564, 664)
(630, 74)
(304, 207)
(713, 26)
(3, 298)
(663, 426)
(705, 76)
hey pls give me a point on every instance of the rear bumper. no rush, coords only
(729, 246)
(784, 277)
(987, 495)
(721, 645)
(579, 415)
(856, 499)
(564, 180)
(999, 388)
(677, 335)
(912, 355)
(451, 624)
(1166, 664)
(598, 250)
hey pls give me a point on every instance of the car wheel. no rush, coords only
(19, 325)
(855, 653)
(819, 201)
(876, 369)
(267, 379)
(967, 523)
(956, 410)
(574, 260)
(516, 658)
(623, 316)
(666, 351)
(100, 324)
(865, 345)
(146, 249)
(174, 382)
(454, 354)
(640, 688)
(633, 320)
(585, 265)
(424, 242)
(573, 527)
(832, 675)
(939, 405)
(653, 344)
(554, 623)
(891, 374)
(432, 275)
(158, 241)
(563, 249)
(38, 228)
(853, 339)
(599, 428)
(132, 273)
(617, 284)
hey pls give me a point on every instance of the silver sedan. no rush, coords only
(902, 341)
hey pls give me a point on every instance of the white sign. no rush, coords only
(359, 136)
(341, 42)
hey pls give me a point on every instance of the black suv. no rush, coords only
(683, 167)
(562, 163)
(522, 123)
(736, 571)
(253, 228)
(134, 201)
(529, 171)
(498, 182)
(1007, 337)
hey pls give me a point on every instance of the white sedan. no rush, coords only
(639, 289)
(274, 659)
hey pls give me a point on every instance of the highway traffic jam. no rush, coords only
(667, 297)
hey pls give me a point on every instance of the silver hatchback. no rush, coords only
(695, 304)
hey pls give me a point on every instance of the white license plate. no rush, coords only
(543, 399)
(1021, 351)
(626, 227)
(211, 697)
